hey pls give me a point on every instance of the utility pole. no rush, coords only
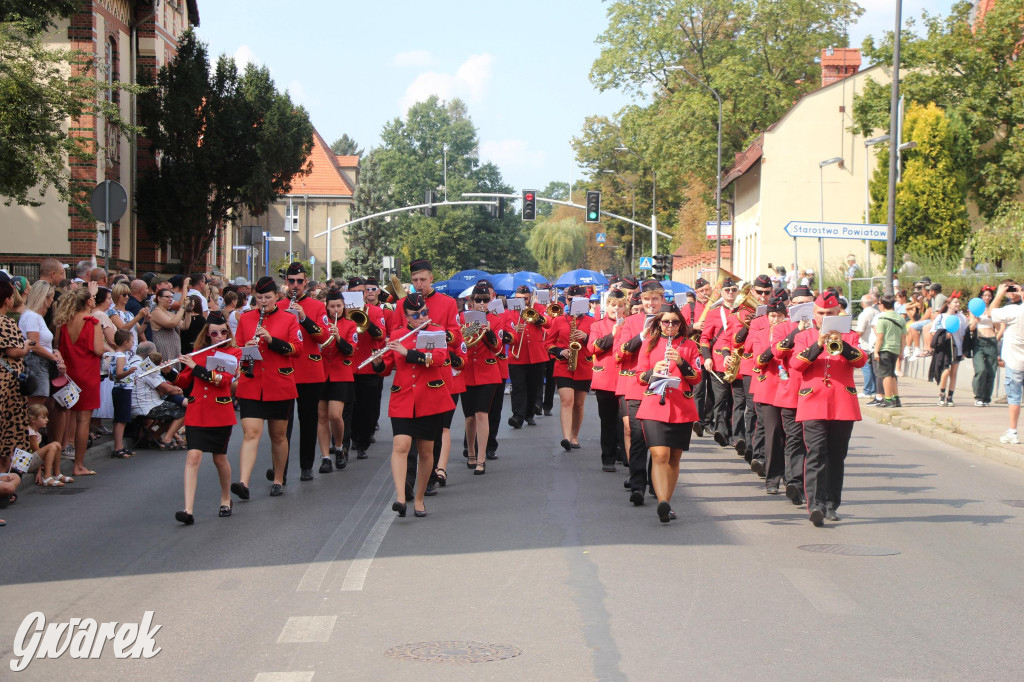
(894, 153)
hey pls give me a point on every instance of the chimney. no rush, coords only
(837, 63)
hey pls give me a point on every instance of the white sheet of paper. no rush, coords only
(430, 340)
(679, 300)
(496, 306)
(660, 382)
(251, 353)
(516, 304)
(761, 310)
(353, 299)
(475, 316)
(836, 323)
(222, 362)
(802, 312)
(543, 296)
(579, 306)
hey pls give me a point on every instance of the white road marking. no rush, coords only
(306, 629)
(357, 571)
(303, 676)
(823, 594)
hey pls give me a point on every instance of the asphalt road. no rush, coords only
(542, 563)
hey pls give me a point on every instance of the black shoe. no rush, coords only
(897, 403)
(831, 515)
(626, 484)
(361, 454)
(325, 465)
(225, 510)
(566, 445)
(306, 475)
(515, 422)
(757, 466)
(241, 490)
(184, 517)
(610, 468)
(721, 439)
(430, 491)
(772, 489)
(340, 459)
(400, 508)
(270, 475)
(419, 514)
(276, 490)
(491, 454)
(480, 469)
(794, 493)
(575, 446)
(547, 413)
(741, 448)
(637, 498)
(530, 421)
(663, 509)
(698, 428)
(818, 517)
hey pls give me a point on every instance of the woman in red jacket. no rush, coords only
(210, 414)
(483, 380)
(572, 384)
(601, 346)
(667, 414)
(419, 398)
(339, 389)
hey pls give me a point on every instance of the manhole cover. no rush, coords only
(1015, 503)
(453, 652)
(850, 550)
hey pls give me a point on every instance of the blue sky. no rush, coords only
(521, 67)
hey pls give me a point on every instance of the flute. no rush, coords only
(379, 353)
(188, 355)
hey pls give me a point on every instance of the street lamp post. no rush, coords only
(632, 245)
(890, 241)
(821, 214)
(867, 192)
(718, 167)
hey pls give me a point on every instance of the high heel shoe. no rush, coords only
(471, 463)
(419, 514)
(400, 508)
(442, 477)
(480, 469)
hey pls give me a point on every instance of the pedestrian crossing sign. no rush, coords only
(646, 263)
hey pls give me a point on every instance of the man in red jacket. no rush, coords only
(527, 360)
(702, 394)
(717, 340)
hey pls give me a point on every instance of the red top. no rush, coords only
(606, 371)
(273, 376)
(558, 340)
(481, 358)
(679, 407)
(419, 388)
(626, 353)
(339, 364)
(720, 327)
(83, 366)
(456, 364)
(747, 361)
(209, 403)
(531, 347)
(827, 389)
(772, 389)
(370, 340)
(309, 366)
(504, 331)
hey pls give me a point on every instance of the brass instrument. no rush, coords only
(379, 353)
(393, 287)
(332, 337)
(834, 343)
(361, 319)
(713, 301)
(473, 333)
(732, 363)
(574, 347)
(555, 309)
(528, 315)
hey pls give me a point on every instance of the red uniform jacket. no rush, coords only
(531, 344)
(370, 340)
(771, 358)
(718, 336)
(601, 347)
(338, 353)
(558, 340)
(679, 407)
(209, 402)
(481, 358)
(747, 362)
(827, 389)
(419, 388)
(505, 336)
(691, 312)
(273, 376)
(456, 364)
(630, 345)
(309, 366)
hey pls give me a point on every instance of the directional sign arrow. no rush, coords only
(801, 228)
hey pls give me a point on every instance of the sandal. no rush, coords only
(51, 482)
(162, 446)
(120, 454)
(481, 469)
(442, 477)
(64, 479)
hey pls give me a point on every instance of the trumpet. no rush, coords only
(834, 343)
(175, 360)
(555, 309)
(529, 314)
(377, 354)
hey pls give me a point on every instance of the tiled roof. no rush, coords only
(347, 161)
(744, 161)
(326, 177)
(684, 260)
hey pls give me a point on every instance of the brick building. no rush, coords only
(127, 38)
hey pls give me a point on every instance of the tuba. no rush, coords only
(574, 348)
(732, 363)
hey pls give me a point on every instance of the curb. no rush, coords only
(996, 452)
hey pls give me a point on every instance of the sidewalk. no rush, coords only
(970, 428)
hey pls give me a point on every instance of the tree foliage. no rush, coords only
(977, 77)
(1002, 239)
(931, 199)
(558, 245)
(346, 146)
(226, 141)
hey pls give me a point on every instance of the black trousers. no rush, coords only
(306, 404)
(751, 419)
(796, 450)
(827, 444)
(704, 397)
(725, 397)
(526, 381)
(739, 412)
(611, 425)
(770, 420)
(548, 398)
(362, 418)
(637, 449)
(494, 419)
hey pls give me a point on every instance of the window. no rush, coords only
(170, 254)
(291, 217)
(112, 137)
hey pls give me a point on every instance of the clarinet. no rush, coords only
(248, 365)
(661, 401)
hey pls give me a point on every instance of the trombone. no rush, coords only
(528, 315)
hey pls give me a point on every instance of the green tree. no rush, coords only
(931, 198)
(554, 190)
(558, 245)
(1001, 239)
(975, 74)
(346, 146)
(369, 240)
(226, 141)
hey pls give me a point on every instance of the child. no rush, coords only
(124, 365)
(46, 459)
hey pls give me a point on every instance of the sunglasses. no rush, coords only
(762, 292)
(418, 315)
(372, 288)
(671, 323)
(731, 289)
(218, 332)
(296, 280)
(481, 300)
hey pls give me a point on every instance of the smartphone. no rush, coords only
(177, 297)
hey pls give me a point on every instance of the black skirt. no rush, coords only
(446, 417)
(423, 428)
(665, 435)
(265, 409)
(478, 399)
(574, 384)
(212, 439)
(338, 391)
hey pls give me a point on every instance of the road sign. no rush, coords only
(239, 248)
(712, 228)
(312, 260)
(646, 263)
(601, 237)
(275, 239)
(799, 228)
(109, 201)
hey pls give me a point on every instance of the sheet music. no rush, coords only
(543, 296)
(430, 340)
(475, 316)
(836, 323)
(516, 304)
(496, 307)
(579, 306)
(680, 300)
(802, 312)
(761, 310)
(222, 362)
(251, 353)
(353, 299)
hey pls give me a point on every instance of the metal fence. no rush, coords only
(29, 271)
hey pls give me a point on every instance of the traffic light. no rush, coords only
(529, 204)
(593, 207)
(662, 266)
(430, 198)
(499, 210)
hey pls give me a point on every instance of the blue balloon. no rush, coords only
(952, 324)
(976, 306)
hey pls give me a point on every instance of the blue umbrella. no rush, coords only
(471, 275)
(534, 277)
(581, 276)
(676, 287)
(444, 286)
(506, 285)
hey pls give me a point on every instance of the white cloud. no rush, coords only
(244, 55)
(509, 153)
(415, 58)
(469, 82)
